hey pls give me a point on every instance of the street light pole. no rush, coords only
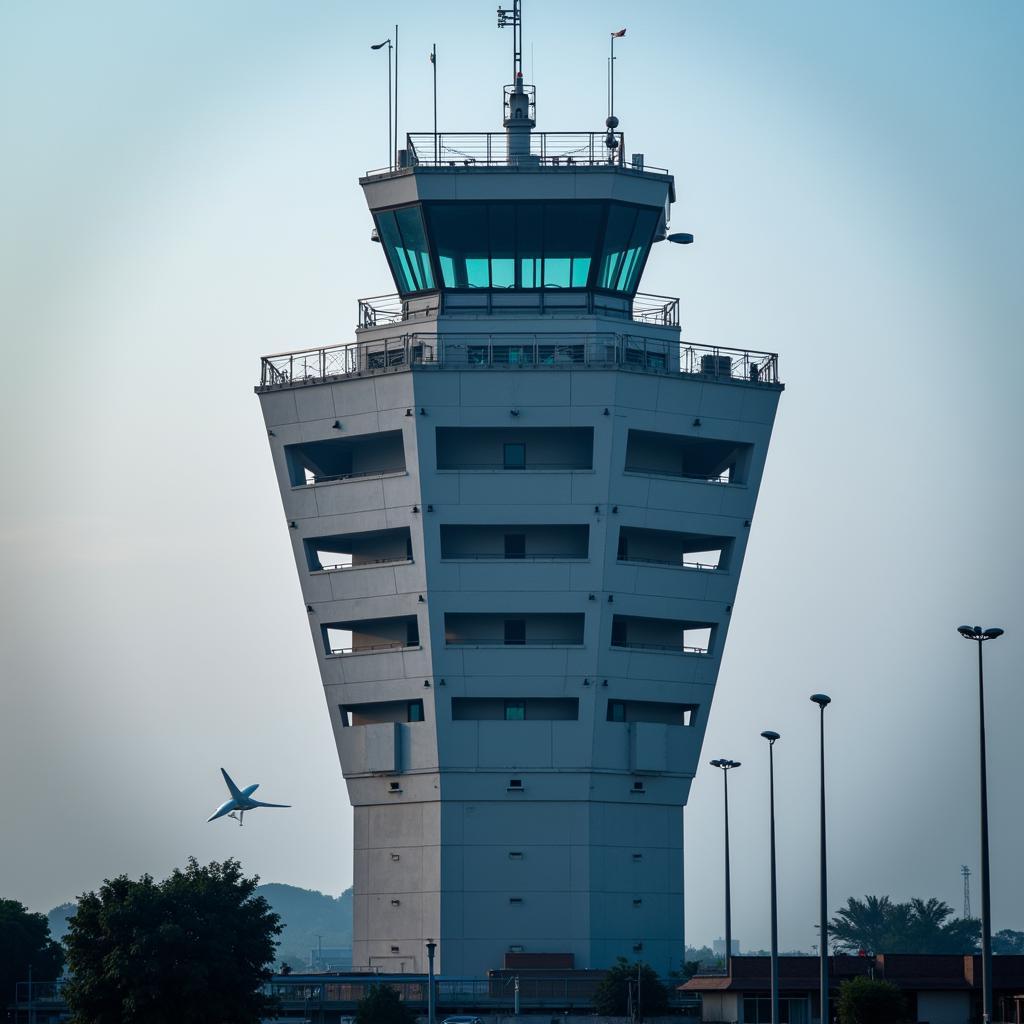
(771, 737)
(823, 701)
(725, 764)
(978, 634)
(431, 949)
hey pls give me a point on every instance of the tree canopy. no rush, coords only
(383, 1005)
(25, 942)
(611, 998)
(866, 1001)
(878, 925)
(191, 949)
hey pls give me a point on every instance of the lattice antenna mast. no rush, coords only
(966, 872)
(513, 16)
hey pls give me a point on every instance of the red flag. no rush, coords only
(619, 34)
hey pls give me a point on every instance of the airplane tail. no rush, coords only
(258, 803)
(236, 793)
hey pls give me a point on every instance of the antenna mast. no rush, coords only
(513, 16)
(966, 872)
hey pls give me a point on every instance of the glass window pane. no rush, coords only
(503, 245)
(414, 240)
(621, 220)
(515, 711)
(459, 233)
(387, 228)
(515, 456)
(570, 236)
(529, 244)
(640, 242)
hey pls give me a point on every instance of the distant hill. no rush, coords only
(305, 914)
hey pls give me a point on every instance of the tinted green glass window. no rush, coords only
(401, 233)
(530, 244)
(570, 236)
(503, 245)
(626, 241)
(460, 234)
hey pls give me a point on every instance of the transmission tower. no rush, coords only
(966, 872)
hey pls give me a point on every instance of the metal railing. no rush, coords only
(659, 310)
(678, 474)
(675, 563)
(368, 564)
(395, 645)
(490, 149)
(555, 350)
(492, 557)
(528, 467)
(500, 641)
(337, 477)
(644, 645)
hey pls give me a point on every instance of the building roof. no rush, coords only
(919, 972)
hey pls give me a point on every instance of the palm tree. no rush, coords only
(863, 924)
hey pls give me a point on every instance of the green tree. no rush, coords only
(383, 1005)
(1008, 941)
(611, 998)
(191, 949)
(25, 942)
(878, 925)
(866, 1001)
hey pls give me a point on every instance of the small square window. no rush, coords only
(515, 783)
(415, 709)
(515, 456)
(515, 710)
(616, 711)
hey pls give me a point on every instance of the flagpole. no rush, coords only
(433, 61)
(396, 94)
(391, 161)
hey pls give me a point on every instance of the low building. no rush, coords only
(938, 989)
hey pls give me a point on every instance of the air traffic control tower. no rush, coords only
(519, 505)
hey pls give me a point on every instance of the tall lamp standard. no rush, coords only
(725, 764)
(378, 46)
(771, 737)
(978, 634)
(823, 701)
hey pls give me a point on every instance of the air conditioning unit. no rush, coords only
(716, 366)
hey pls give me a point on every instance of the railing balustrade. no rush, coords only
(644, 645)
(535, 351)
(396, 645)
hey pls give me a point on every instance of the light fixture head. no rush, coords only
(992, 632)
(734, 764)
(821, 699)
(377, 46)
(969, 632)
(681, 238)
(770, 736)
(717, 763)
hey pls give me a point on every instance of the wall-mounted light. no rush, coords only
(270, 433)
(396, 903)
(513, 412)
(597, 509)
(728, 608)
(415, 508)
(604, 682)
(426, 684)
(610, 598)
(586, 682)
(615, 508)
(591, 598)
(291, 524)
(430, 508)
(420, 599)
(746, 523)
(336, 425)
(423, 412)
(697, 422)
(408, 412)
(606, 413)
(442, 682)
(309, 608)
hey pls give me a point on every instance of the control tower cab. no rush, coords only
(519, 505)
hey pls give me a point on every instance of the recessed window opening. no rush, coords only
(616, 711)
(515, 783)
(667, 635)
(515, 456)
(515, 632)
(358, 550)
(697, 640)
(345, 458)
(380, 712)
(515, 542)
(671, 548)
(515, 855)
(515, 711)
(368, 636)
(661, 712)
(687, 457)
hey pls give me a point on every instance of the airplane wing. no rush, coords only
(221, 811)
(259, 803)
(236, 793)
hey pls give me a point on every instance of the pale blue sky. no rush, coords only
(179, 197)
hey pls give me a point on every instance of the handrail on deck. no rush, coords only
(528, 351)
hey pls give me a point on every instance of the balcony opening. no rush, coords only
(515, 449)
(530, 629)
(688, 458)
(514, 542)
(339, 459)
(525, 709)
(368, 636)
(381, 712)
(668, 635)
(358, 550)
(666, 547)
(660, 712)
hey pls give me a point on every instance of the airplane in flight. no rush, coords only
(240, 802)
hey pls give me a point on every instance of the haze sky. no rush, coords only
(179, 196)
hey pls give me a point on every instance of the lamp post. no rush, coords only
(725, 764)
(771, 737)
(378, 46)
(431, 949)
(823, 701)
(980, 636)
